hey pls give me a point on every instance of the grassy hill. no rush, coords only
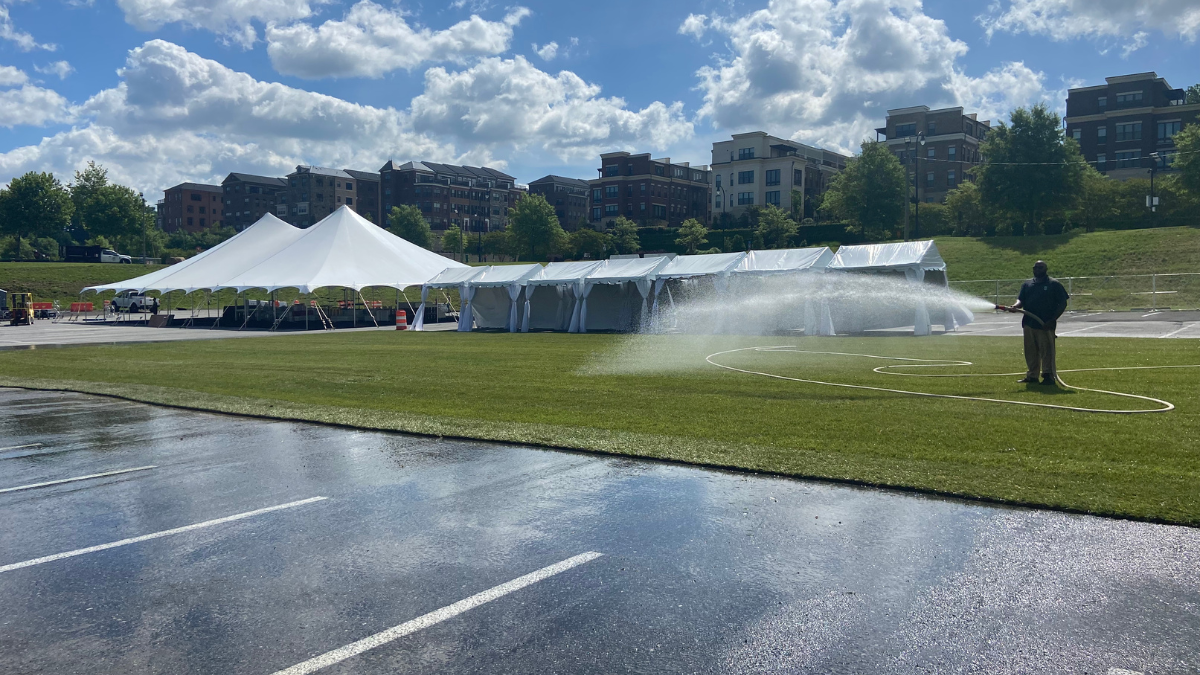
(1167, 249)
(63, 281)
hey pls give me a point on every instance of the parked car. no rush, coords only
(95, 254)
(132, 301)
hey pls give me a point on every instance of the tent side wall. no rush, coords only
(490, 306)
(550, 306)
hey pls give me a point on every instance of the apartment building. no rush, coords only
(314, 192)
(757, 169)
(247, 197)
(1129, 123)
(191, 207)
(647, 190)
(568, 196)
(951, 146)
(476, 199)
(366, 194)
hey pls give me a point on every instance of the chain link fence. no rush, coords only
(1103, 293)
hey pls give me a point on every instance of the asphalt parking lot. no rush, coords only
(1142, 324)
(230, 545)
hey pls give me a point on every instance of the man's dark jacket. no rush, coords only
(1044, 297)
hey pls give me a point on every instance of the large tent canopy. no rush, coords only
(608, 301)
(553, 307)
(919, 262)
(346, 250)
(785, 260)
(212, 268)
(451, 277)
(914, 258)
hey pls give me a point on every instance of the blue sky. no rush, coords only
(162, 91)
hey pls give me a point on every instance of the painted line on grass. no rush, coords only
(76, 478)
(21, 447)
(156, 535)
(435, 617)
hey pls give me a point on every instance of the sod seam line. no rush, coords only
(156, 535)
(435, 617)
(60, 481)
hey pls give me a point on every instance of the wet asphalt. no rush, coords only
(702, 571)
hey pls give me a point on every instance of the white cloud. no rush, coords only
(11, 76)
(60, 68)
(32, 106)
(1070, 19)
(24, 41)
(371, 41)
(547, 52)
(509, 101)
(1001, 90)
(826, 71)
(233, 19)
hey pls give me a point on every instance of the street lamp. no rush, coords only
(917, 208)
(142, 220)
(1152, 201)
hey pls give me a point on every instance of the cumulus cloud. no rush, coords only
(826, 71)
(999, 91)
(233, 19)
(24, 41)
(547, 52)
(509, 101)
(11, 76)
(60, 68)
(1070, 19)
(371, 41)
(32, 106)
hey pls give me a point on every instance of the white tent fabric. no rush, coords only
(453, 277)
(346, 250)
(785, 260)
(497, 291)
(210, 269)
(554, 307)
(607, 298)
(716, 265)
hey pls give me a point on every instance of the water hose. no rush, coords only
(1166, 406)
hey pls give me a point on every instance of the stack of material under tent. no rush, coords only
(616, 295)
(767, 277)
(456, 278)
(912, 262)
(552, 295)
(495, 296)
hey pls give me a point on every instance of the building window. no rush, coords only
(349, 201)
(201, 222)
(931, 153)
(643, 208)
(717, 203)
(1165, 159)
(680, 173)
(1129, 160)
(772, 197)
(189, 221)
(903, 130)
(596, 196)
(1102, 101)
(629, 191)
(718, 179)
(1100, 159)
(772, 177)
(929, 179)
(952, 153)
(1077, 133)
(1131, 131)
(349, 186)
(745, 177)
(596, 213)
(745, 198)
(191, 209)
(1102, 134)
(659, 211)
(611, 209)
(612, 191)
(745, 153)
(197, 198)
(1167, 130)
(1129, 97)
(658, 171)
(950, 178)
(931, 129)
(203, 210)
(611, 170)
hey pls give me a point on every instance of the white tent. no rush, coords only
(784, 260)
(918, 262)
(212, 268)
(496, 293)
(608, 300)
(346, 250)
(453, 277)
(692, 268)
(552, 295)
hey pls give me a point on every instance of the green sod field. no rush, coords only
(655, 397)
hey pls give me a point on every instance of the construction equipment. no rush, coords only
(20, 309)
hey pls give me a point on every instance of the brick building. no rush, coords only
(568, 196)
(191, 207)
(476, 199)
(646, 190)
(1121, 123)
(951, 146)
(314, 192)
(756, 169)
(248, 197)
(366, 194)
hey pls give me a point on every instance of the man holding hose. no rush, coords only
(1042, 300)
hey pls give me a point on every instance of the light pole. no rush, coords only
(1152, 202)
(917, 208)
(142, 220)
(908, 194)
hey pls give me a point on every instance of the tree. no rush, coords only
(114, 212)
(588, 243)
(870, 192)
(775, 227)
(496, 243)
(35, 205)
(1193, 95)
(965, 211)
(533, 228)
(1187, 161)
(86, 184)
(625, 236)
(409, 224)
(797, 205)
(692, 235)
(1031, 168)
(452, 240)
(1097, 207)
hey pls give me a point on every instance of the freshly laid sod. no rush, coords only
(655, 397)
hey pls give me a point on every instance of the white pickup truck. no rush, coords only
(134, 302)
(110, 256)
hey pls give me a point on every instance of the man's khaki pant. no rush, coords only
(1039, 353)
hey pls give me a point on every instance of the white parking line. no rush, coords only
(1080, 330)
(437, 616)
(1179, 330)
(156, 535)
(21, 447)
(77, 478)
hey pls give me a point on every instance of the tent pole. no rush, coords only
(369, 312)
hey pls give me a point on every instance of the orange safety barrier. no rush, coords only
(41, 305)
(81, 307)
(402, 319)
